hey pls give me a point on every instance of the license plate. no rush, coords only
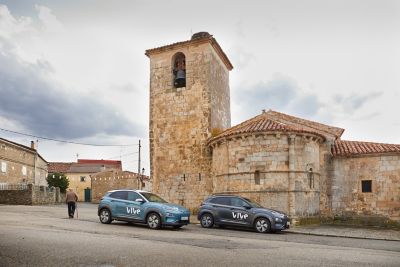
(185, 218)
(288, 223)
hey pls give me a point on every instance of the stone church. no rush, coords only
(283, 162)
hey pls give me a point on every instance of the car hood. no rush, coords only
(172, 205)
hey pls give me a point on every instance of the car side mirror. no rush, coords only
(139, 200)
(247, 207)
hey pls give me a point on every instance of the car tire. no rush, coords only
(207, 220)
(153, 221)
(105, 216)
(262, 225)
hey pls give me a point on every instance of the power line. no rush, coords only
(123, 155)
(62, 141)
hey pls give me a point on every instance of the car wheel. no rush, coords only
(207, 220)
(105, 216)
(262, 225)
(154, 221)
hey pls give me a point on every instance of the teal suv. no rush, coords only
(141, 207)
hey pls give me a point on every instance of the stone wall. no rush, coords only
(30, 195)
(382, 170)
(182, 119)
(111, 180)
(17, 165)
(262, 166)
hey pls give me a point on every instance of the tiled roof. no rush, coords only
(84, 166)
(349, 148)
(61, 167)
(323, 129)
(273, 121)
(196, 40)
(108, 163)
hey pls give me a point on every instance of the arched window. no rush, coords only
(179, 70)
(257, 177)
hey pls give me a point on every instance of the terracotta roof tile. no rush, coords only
(116, 163)
(279, 122)
(323, 129)
(350, 148)
(264, 123)
(61, 167)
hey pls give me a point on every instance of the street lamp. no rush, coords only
(141, 178)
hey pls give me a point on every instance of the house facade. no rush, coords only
(21, 165)
(291, 164)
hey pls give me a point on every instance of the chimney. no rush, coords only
(33, 145)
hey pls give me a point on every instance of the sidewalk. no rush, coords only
(347, 231)
(338, 231)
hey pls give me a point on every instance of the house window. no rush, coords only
(366, 186)
(83, 178)
(4, 167)
(257, 177)
(179, 70)
(24, 170)
(310, 175)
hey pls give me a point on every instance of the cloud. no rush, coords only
(48, 19)
(29, 97)
(11, 26)
(281, 93)
(355, 101)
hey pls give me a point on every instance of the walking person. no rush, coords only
(70, 199)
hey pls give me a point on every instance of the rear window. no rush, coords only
(220, 201)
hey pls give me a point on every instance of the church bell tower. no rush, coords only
(189, 103)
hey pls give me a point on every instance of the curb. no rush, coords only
(342, 236)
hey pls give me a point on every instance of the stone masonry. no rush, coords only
(21, 164)
(105, 181)
(384, 173)
(183, 119)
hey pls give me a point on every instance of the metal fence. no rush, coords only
(6, 186)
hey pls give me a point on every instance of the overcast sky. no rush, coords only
(76, 70)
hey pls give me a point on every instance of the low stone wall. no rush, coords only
(103, 182)
(352, 220)
(31, 195)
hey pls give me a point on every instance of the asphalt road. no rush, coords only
(44, 236)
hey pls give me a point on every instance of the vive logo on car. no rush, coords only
(240, 216)
(131, 210)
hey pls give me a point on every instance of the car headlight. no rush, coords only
(279, 220)
(279, 215)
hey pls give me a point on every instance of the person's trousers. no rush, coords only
(71, 209)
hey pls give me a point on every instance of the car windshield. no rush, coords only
(153, 198)
(253, 203)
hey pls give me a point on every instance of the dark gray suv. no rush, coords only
(224, 210)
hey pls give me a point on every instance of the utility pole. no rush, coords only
(139, 182)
